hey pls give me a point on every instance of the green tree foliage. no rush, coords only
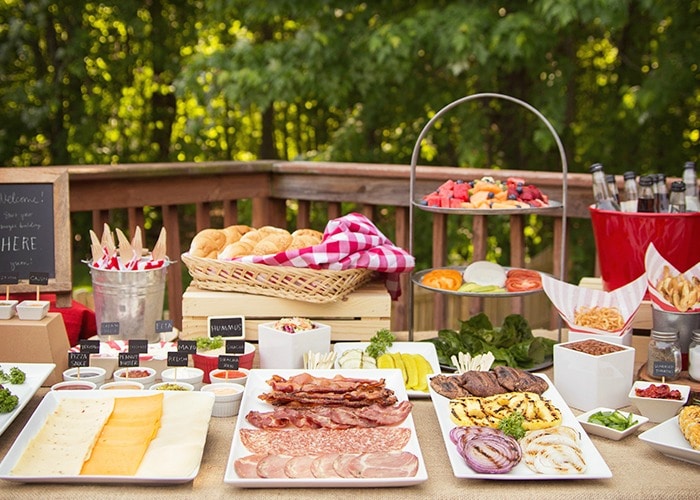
(191, 80)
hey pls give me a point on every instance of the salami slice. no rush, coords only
(320, 441)
(384, 465)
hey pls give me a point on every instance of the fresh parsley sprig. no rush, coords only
(381, 341)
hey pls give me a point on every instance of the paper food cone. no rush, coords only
(568, 298)
(654, 264)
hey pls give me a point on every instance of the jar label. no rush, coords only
(664, 369)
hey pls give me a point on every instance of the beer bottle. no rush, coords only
(601, 195)
(646, 202)
(677, 198)
(661, 194)
(630, 202)
(692, 204)
(612, 187)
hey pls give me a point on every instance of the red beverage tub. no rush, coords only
(622, 238)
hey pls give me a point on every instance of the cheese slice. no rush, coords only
(66, 439)
(126, 436)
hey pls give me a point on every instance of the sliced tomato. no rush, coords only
(523, 280)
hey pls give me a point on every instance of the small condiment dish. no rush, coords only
(186, 374)
(141, 374)
(608, 432)
(122, 386)
(8, 308)
(94, 374)
(74, 385)
(239, 376)
(172, 386)
(658, 409)
(227, 398)
(32, 310)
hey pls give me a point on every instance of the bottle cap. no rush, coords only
(661, 177)
(667, 336)
(629, 175)
(678, 186)
(610, 179)
(646, 180)
(596, 167)
(689, 164)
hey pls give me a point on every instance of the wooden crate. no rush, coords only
(356, 318)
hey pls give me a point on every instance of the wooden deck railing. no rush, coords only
(274, 187)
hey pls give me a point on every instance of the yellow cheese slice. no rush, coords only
(126, 436)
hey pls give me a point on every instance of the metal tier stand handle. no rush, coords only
(414, 163)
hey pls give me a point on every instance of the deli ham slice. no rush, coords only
(247, 467)
(299, 467)
(320, 441)
(273, 466)
(383, 465)
(322, 466)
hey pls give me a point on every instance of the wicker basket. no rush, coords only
(307, 285)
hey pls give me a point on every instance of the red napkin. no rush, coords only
(349, 242)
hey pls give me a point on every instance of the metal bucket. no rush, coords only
(134, 299)
(683, 323)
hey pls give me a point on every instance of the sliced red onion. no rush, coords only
(490, 452)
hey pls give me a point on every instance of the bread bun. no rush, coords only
(238, 249)
(235, 232)
(308, 232)
(207, 243)
(275, 242)
(303, 238)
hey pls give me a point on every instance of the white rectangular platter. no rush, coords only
(36, 373)
(426, 349)
(669, 440)
(257, 385)
(191, 449)
(596, 466)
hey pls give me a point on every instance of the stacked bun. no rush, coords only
(240, 240)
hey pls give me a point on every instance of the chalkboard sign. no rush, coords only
(188, 346)
(139, 346)
(176, 358)
(226, 326)
(90, 346)
(35, 228)
(109, 328)
(78, 359)
(128, 359)
(227, 362)
(235, 347)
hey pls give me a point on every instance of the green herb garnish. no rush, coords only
(16, 376)
(209, 344)
(513, 425)
(613, 420)
(8, 401)
(381, 341)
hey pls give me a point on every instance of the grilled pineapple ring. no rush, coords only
(538, 413)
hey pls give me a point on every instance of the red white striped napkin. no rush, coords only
(568, 298)
(349, 242)
(654, 264)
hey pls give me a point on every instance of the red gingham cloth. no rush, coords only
(349, 242)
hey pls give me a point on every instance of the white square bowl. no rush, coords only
(32, 309)
(8, 308)
(279, 349)
(588, 381)
(607, 432)
(658, 409)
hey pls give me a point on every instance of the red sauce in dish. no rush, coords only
(229, 374)
(661, 391)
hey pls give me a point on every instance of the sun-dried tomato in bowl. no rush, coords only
(661, 391)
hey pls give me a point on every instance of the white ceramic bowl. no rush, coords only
(169, 386)
(93, 374)
(120, 375)
(74, 385)
(8, 308)
(131, 385)
(658, 409)
(607, 432)
(227, 398)
(219, 376)
(32, 309)
(186, 374)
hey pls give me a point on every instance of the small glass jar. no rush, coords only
(694, 356)
(664, 355)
